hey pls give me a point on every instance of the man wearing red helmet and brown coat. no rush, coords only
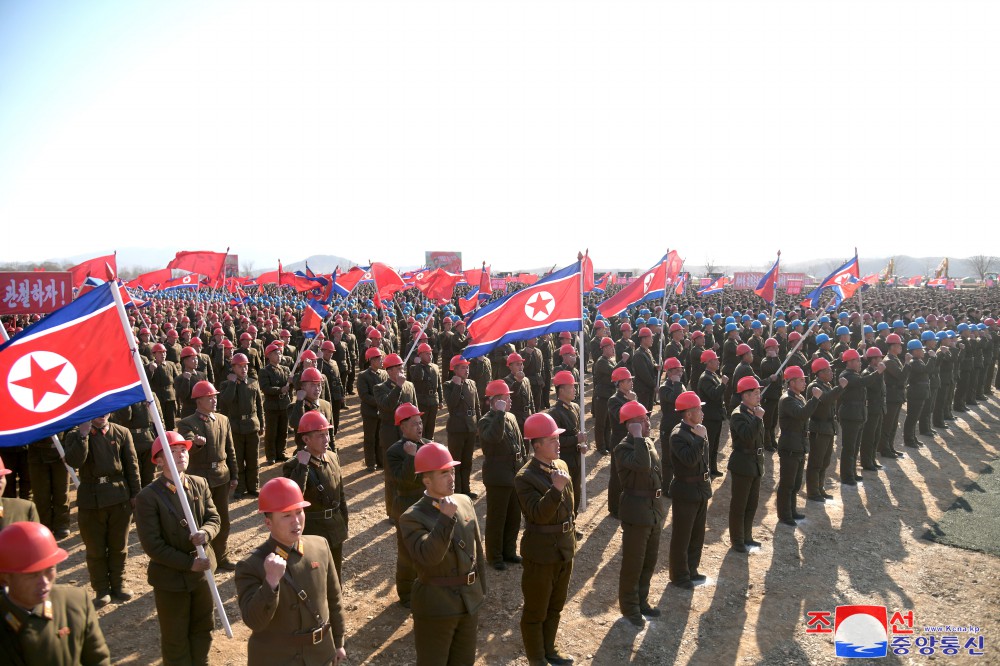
(425, 375)
(308, 399)
(242, 402)
(464, 411)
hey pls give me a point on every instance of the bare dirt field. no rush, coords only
(867, 546)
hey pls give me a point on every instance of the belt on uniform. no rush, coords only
(692, 479)
(635, 492)
(327, 513)
(759, 451)
(561, 528)
(109, 479)
(140, 430)
(454, 581)
(310, 637)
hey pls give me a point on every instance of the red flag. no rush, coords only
(588, 273)
(474, 276)
(387, 280)
(209, 264)
(150, 280)
(650, 285)
(96, 267)
(437, 285)
(527, 278)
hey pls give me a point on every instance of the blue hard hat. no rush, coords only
(653, 321)
(731, 326)
(913, 326)
(716, 316)
(842, 315)
(867, 329)
(981, 327)
(780, 323)
(898, 323)
(843, 330)
(928, 335)
(821, 338)
(778, 314)
(824, 320)
(941, 335)
(686, 313)
(882, 326)
(674, 317)
(697, 315)
(706, 322)
(745, 318)
(639, 321)
(795, 322)
(952, 334)
(644, 311)
(761, 316)
(921, 320)
(736, 313)
(963, 327)
(683, 322)
(600, 316)
(914, 344)
(755, 324)
(730, 320)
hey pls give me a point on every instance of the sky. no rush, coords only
(514, 132)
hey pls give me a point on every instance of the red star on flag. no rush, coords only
(42, 382)
(539, 304)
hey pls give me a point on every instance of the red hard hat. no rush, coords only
(240, 359)
(280, 494)
(405, 411)
(497, 387)
(770, 342)
(433, 456)
(245, 336)
(226, 343)
(311, 375)
(372, 352)
(203, 389)
(607, 342)
(158, 347)
(284, 333)
(391, 361)
(644, 332)
(620, 374)
(747, 384)
(312, 421)
(672, 363)
(374, 334)
(327, 346)
(143, 330)
(172, 439)
(794, 372)
(541, 425)
(697, 334)
(196, 342)
(794, 336)
(308, 355)
(873, 352)
(743, 349)
(599, 324)
(271, 348)
(851, 355)
(514, 358)
(709, 355)
(565, 335)
(563, 377)
(675, 327)
(567, 349)
(218, 331)
(172, 333)
(424, 348)
(687, 400)
(27, 547)
(893, 339)
(625, 327)
(455, 361)
(819, 364)
(632, 409)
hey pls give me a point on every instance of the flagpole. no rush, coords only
(583, 416)
(796, 347)
(861, 302)
(416, 339)
(663, 313)
(774, 303)
(55, 440)
(161, 433)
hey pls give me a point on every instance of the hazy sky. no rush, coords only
(515, 132)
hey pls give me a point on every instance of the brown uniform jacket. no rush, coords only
(640, 473)
(463, 406)
(63, 631)
(165, 536)
(109, 471)
(14, 510)
(503, 448)
(161, 380)
(322, 485)
(272, 379)
(216, 459)
(543, 505)
(243, 404)
(298, 409)
(409, 488)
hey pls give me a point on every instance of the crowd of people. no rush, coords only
(239, 387)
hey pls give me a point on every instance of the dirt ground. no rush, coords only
(867, 546)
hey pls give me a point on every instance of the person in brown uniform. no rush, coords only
(308, 400)
(274, 384)
(50, 486)
(522, 404)
(109, 482)
(572, 442)
(138, 421)
(186, 380)
(390, 394)
(367, 381)
(241, 401)
(162, 374)
(441, 533)
(41, 623)
(503, 455)
(623, 394)
(316, 470)
(604, 388)
(463, 414)
(184, 604)
(14, 509)
(644, 369)
(793, 419)
(641, 511)
(746, 463)
(689, 491)
(426, 379)
(545, 493)
(213, 457)
(288, 589)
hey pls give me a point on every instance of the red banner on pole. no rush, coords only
(34, 293)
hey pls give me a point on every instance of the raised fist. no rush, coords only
(274, 569)
(817, 392)
(448, 506)
(843, 382)
(560, 479)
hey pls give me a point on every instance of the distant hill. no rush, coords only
(318, 263)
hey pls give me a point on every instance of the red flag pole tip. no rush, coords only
(110, 271)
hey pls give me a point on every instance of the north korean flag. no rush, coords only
(553, 304)
(312, 318)
(650, 285)
(72, 366)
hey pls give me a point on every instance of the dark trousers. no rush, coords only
(373, 453)
(714, 434)
(572, 460)
(15, 459)
(50, 489)
(220, 495)
(544, 587)
(667, 466)
(870, 437)
(147, 469)
(645, 396)
(925, 411)
(789, 482)
(169, 411)
(850, 436)
(640, 545)
(406, 572)
(614, 487)
(770, 424)
(247, 461)
(948, 400)
(940, 409)
(503, 521)
(105, 536)
(602, 425)
(461, 445)
(975, 390)
(743, 507)
(687, 538)
(446, 641)
(890, 423)
(820, 454)
(962, 387)
(186, 624)
(429, 420)
(275, 434)
(913, 407)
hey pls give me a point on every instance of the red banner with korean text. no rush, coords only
(34, 293)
